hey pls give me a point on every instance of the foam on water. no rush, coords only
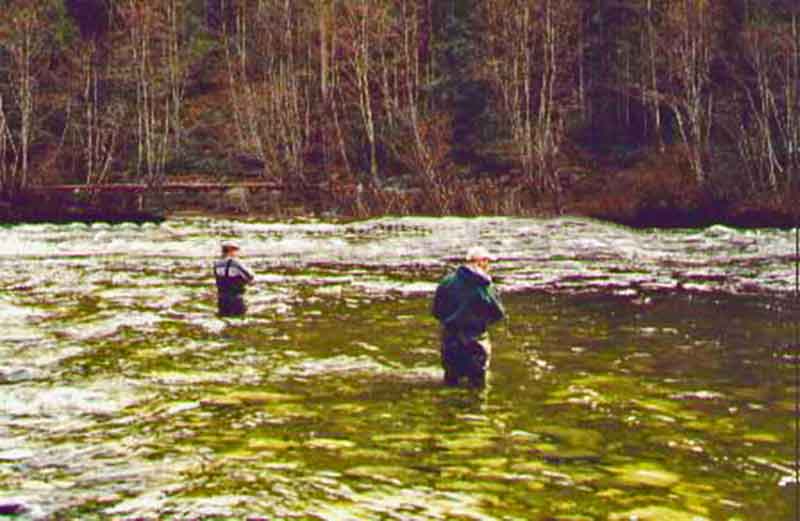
(554, 249)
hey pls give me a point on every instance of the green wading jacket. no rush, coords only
(466, 303)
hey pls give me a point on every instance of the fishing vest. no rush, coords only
(231, 277)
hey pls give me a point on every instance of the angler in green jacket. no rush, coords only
(466, 304)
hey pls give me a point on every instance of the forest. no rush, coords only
(600, 107)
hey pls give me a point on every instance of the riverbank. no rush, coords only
(39, 208)
(658, 192)
(77, 215)
(696, 211)
(638, 199)
(657, 216)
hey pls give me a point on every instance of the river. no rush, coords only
(641, 374)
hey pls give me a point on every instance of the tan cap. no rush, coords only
(478, 253)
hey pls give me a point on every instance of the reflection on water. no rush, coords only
(123, 397)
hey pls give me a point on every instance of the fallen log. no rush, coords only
(168, 187)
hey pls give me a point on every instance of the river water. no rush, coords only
(641, 374)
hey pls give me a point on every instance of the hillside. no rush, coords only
(644, 112)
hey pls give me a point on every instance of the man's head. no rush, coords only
(479, 256)
(230, 249)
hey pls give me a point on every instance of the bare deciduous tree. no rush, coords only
(690, 42)
(22, 38)
(158, 58)
(99, 128)
(768, 124)
(270, 89)
(535, 54)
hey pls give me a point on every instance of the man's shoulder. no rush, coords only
(231, 262)
(242, 268)
(448, 279)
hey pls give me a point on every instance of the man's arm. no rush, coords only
(243, 271)
(492, 304)
(440, 303)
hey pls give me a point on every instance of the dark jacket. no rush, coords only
(466, 302)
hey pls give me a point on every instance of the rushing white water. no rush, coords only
(562, 254)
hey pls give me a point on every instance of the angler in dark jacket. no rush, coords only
(466, 304)
(232, 279)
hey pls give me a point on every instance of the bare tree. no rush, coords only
(652, 73)
(789, 112)
(154, 111)
(100, 125)
(768, 123)
(690, 42)
(177, 56)
(159, 59)
(362, 70)
(24, 42)
(270, 88)
(535, 55)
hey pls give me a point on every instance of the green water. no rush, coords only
(327, 404)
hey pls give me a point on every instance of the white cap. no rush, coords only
(230, 245)
(478, 253)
